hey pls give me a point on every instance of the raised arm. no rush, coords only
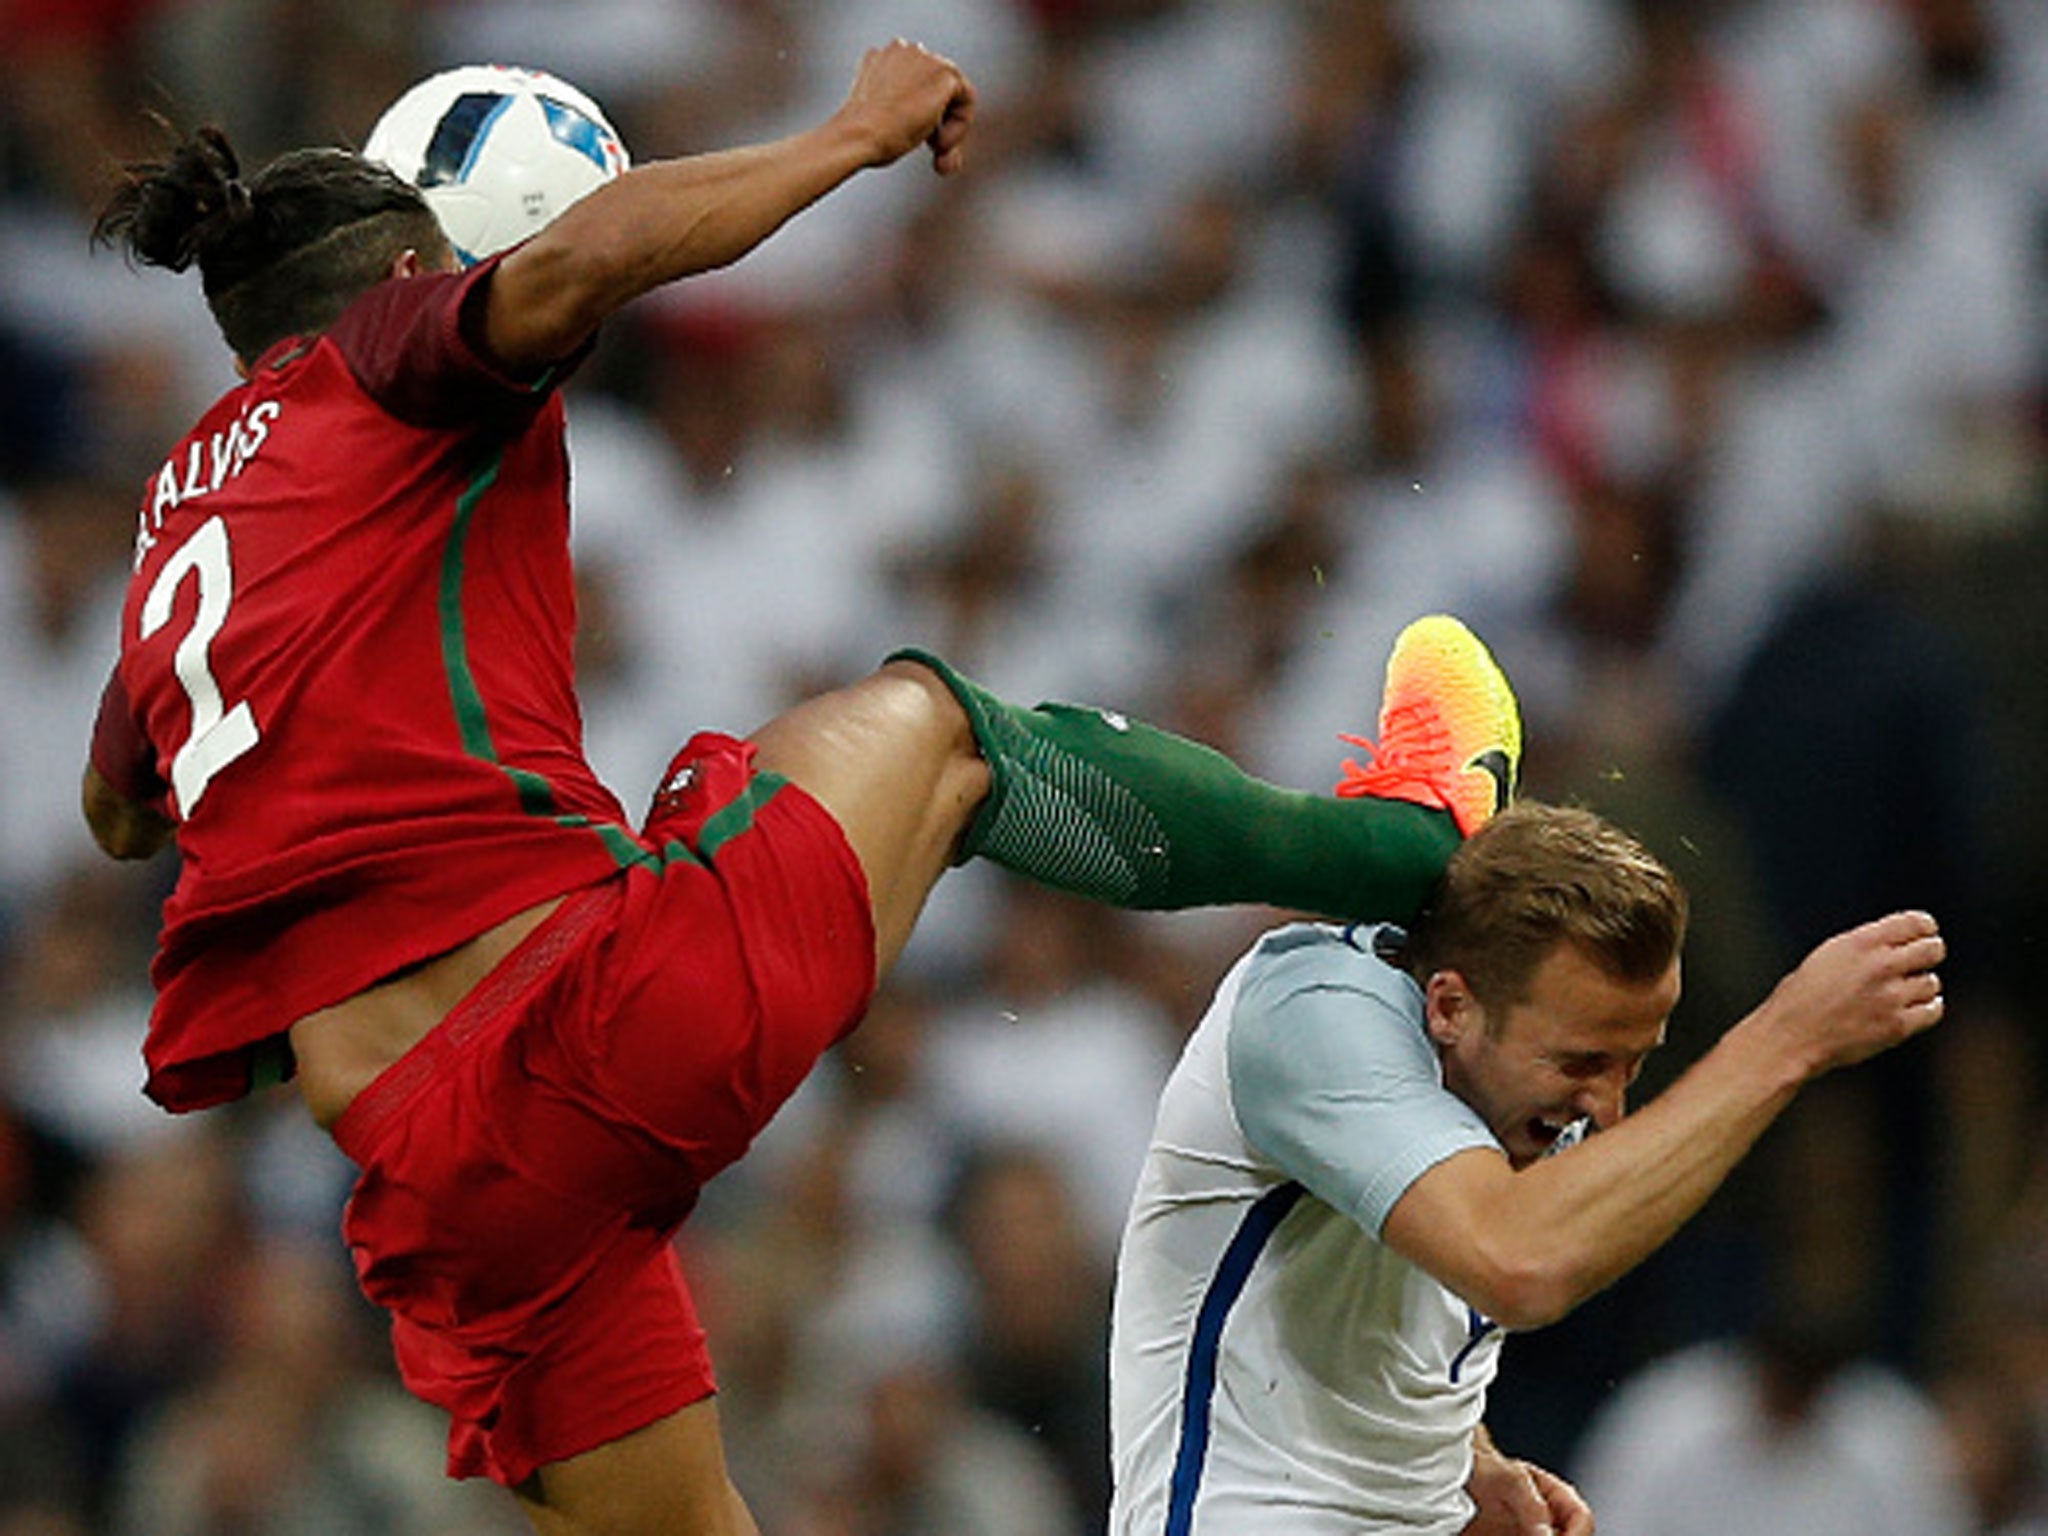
(671, 218)
(1526, 1246)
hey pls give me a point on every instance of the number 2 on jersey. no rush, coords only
(219, 734)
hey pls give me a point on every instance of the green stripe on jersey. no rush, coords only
(472, 718)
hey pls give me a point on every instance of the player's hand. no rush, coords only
(1570, 1514)
(1519, 1498)
(124, 828)
(1860, 992)
(905, 95)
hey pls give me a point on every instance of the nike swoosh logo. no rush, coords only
(1495, 765)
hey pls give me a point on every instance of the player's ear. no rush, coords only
(1449, 1008)
(405, 264)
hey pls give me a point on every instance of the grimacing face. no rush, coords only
(1568, 1051)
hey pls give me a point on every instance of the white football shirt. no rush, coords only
(1274, 1367)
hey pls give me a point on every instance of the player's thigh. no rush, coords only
(893, 760)
(667, 1479)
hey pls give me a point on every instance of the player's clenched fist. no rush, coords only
(905, 95)
(1860, 992)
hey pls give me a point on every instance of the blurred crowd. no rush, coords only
(1691, 350)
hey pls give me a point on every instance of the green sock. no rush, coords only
(1088, 801)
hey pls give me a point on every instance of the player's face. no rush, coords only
(1569, 1051)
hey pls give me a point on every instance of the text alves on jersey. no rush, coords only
(206, 465)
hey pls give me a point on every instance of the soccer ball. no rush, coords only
(498, 151)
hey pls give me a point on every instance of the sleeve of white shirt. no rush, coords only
(1333, 1078)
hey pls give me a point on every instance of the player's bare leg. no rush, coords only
(921, 766)
(894, 761)
(666, 1479)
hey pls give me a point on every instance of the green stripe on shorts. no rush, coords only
(737, 815)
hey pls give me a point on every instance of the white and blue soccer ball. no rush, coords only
(498, 151)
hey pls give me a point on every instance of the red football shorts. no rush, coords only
(525, 1166)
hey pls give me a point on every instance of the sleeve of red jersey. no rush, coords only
(121, 754)
(414, 344)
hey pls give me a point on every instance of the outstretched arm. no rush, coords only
(672, 218)
(1526, 1246)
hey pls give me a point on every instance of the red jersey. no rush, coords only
(346, 665)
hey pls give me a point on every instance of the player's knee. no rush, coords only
(935, 708)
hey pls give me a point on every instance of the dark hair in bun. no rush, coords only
(280, 254)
